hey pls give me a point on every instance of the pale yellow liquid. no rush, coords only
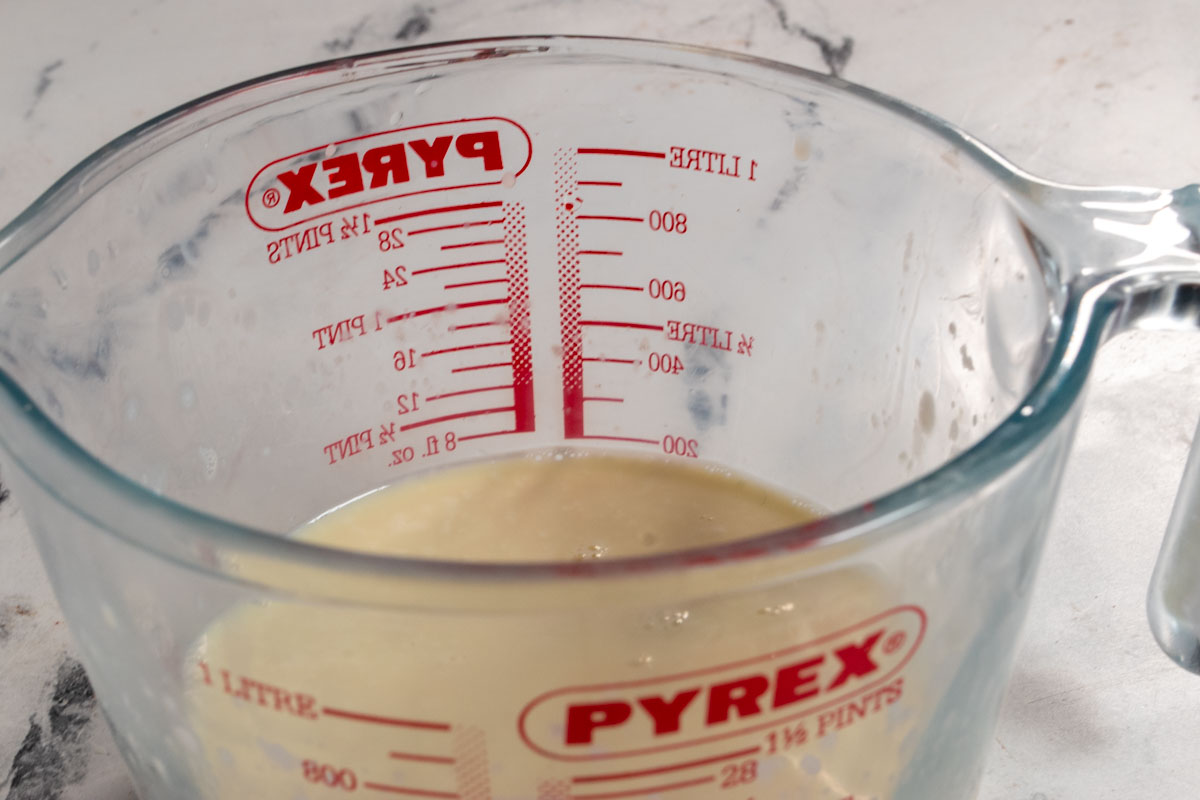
(556, 509)
(476, 671)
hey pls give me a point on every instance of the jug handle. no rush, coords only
(1140, 249)
(1173, 601)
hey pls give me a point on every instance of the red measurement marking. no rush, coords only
(396, 721)
(599, 183)
(610, 286)
(465, 347)
(431, 398)
(482, 366)
(603, 323)
(612, 151)
(419, 231)
(620, 439)
(566, 234)
(449, 307)
(458, 266)
(646, 790)
(468, 326)
(611, 217)
(613, 776)
(604, 399)
(435, 420)
(599, 252)
(613, 360)
(516, 254)
(439, 210)
(474, 283)
(472, 244)
(427, 759)
(486, 435)
(384, 787)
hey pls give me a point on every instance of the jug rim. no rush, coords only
(1046, 404)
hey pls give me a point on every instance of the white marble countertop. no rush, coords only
(1101, 92)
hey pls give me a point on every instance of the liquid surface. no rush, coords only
(295, 699)
(557, 509)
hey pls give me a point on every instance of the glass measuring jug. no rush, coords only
(294, 291)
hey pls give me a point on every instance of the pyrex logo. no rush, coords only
(355, 172)
(636, 717)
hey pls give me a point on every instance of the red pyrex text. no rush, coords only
(384, 166)
(623, 719)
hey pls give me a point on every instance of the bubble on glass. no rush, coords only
(109, 616)
(591, 552)
(208, 459)
(187, 396)
(676, 617)
(778, 609)
(278, 754)
(186, 738)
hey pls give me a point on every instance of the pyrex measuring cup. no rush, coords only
(280, 296)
